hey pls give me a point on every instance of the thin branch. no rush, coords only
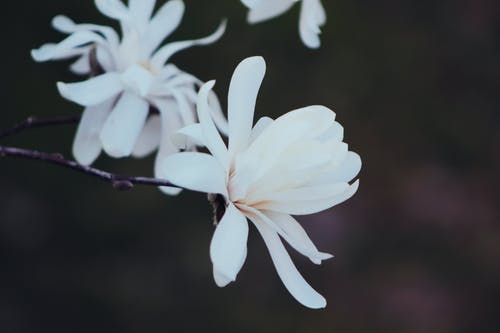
(32, 122)
(118, 182)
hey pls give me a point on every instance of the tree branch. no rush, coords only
(118, 182)
(32, 122)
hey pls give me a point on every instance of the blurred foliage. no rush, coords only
(415, 84)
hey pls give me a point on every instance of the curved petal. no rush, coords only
(228, 248)
(165, 21)
(214, 142)
(141, 10)
(290, 276)
(66, 47)
(265, 10)
(343, 172)
(93, 91)
(260, 127)
(306, 207)
(192, 133)
(291, 231)
(81, 66)
(294, 231)
(87, 146)
(149, 139)
(196, 172)
(312, 16)
(124, 125)
(242, 96)
(167, 51)
(66, 25)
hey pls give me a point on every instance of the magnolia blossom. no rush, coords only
(312, 16)
(130, 77)
(294, 165)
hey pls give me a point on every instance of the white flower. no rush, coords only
(130, 75)
(312, 16)
(294, 165)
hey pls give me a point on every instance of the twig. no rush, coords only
(32, 122)
(118, 182)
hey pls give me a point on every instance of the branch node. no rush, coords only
(122, 185)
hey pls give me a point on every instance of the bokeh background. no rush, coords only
(415, 84)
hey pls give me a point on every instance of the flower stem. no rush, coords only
(118, 182)
(32, 122)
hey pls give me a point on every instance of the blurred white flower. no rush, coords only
(312, 16)
(130, 77)
(294, 165)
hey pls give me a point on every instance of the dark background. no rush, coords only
(415, 84)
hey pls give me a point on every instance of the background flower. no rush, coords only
(132, 80)
(312, 16)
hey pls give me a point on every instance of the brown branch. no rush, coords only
(32, 122)
(118, 182)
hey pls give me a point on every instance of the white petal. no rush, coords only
(137, 79)
(306, 207)
(214, 142)
(141, 10)
(66, 47)
(294, 126)
(290, 276)
(220, 279)
(195, 171)
(165, 21)
(228, 248)
(312, 16)
(113, 8)
(291, 231)
(252, 3)
(242, 97)
(260, 127)
(301, 240)
(266, 9)
(170, 124)
(93, 91)
(81, 66)
(335, 132)
(167, 51)
(343, 172)
(66, 25)
(87, 146)
(149, 140)
(192, 133)
(124, 125)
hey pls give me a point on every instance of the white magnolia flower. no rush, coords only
(130, 77)
(294, 165)
(312, 16)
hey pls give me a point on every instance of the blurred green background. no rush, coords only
(415, 84)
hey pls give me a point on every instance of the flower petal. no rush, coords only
(259, 127)
(93, 91)
(265, 10)
(306, 207)
(196, 172)
(170, 124)
(167, 51)
(65, 48)
(242, 97)
(301, 241)
(149, 139)
(141, 10)
(214, 142)
(165, 21)
(66, 25)
(124, 125)
(290, 276)
(312, 16)
(87, 146)
(228, 248)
